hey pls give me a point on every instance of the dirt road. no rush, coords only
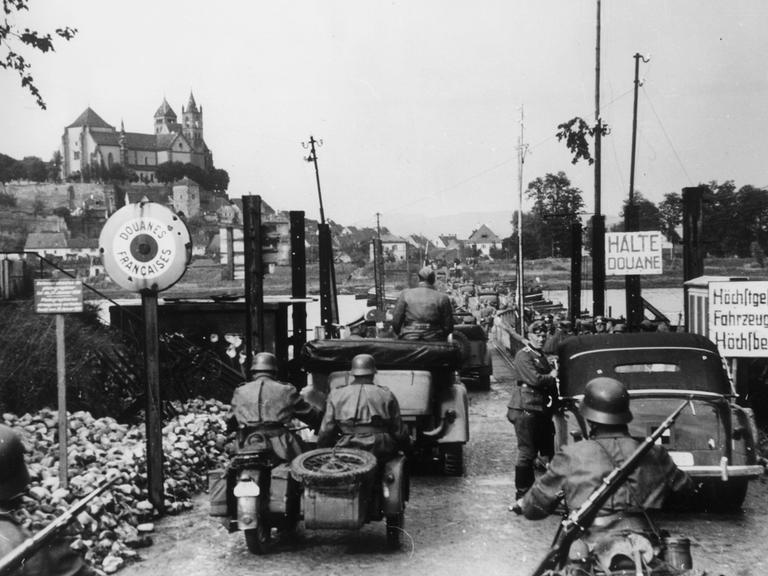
(454, 526)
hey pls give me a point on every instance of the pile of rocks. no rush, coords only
(118, 521)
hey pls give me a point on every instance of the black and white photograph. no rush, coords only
(324, 287)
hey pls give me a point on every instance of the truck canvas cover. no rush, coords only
(331, 355)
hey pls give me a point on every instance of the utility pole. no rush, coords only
(633, 294)
(522, 148)
(598, 224)
(313, 158)
(329, 307)
(378, 266)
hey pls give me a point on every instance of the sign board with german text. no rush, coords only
(633, 253)
(58, 296)
(738, 318)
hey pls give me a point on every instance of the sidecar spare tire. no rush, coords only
(333, 466)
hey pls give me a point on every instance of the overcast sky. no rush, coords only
(417, 102)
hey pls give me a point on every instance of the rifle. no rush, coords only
(16, 557)
(579, 520)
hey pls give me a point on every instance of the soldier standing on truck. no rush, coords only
(423, 313)
(530, 407)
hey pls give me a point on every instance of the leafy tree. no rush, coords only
(169, 172)
(119, 173)
(577, 133)
(54, 167)
(14, 41)
(7, 200)
(218, 180)
(35, 169)
(719, 214)
(7, 165)
(671, 212)
(648, 214)
(195, 173)
(558, 204)
(39, 208)
(751, 219)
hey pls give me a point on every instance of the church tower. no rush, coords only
(192, 123)
(165, 119)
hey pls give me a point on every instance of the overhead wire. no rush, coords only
(666, 135)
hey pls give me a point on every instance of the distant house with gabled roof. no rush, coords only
(484, 239)
(393, 247)
(51, 243)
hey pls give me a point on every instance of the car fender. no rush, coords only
(394, 486)
(454, 411)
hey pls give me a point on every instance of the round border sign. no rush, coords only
(145, 246)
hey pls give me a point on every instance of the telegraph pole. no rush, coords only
(598, 224)
(634, 299)
(313, 158)
(378, 266)
(522, 148)
(329, 307)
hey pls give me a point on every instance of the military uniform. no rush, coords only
(263, 408)
(364, 416)
(530, 410)
(579, 469)
(422, 313)
(55, 559)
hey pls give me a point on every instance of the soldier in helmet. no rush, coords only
(363, 414)
(579, 468)
(55, 559)
(263, 408)
(423, 313)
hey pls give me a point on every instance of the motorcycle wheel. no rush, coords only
(257, 539)
(395, 525)
(452, 458)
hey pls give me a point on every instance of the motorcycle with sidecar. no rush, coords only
(329, 488)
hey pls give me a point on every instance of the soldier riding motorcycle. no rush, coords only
(260, 493)
(609, 481)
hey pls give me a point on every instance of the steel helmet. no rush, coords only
(264, 362)
(606, 401)
(14, 476)
(363, 365)
(426, 274)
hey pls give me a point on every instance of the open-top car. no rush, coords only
(714, 441)
(422, 376)
(477, 366)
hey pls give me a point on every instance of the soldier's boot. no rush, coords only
(524, 478)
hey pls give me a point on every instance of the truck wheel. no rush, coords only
(395, 525)
(452, 456)
(257, 539)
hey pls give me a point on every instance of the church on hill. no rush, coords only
(90, 143)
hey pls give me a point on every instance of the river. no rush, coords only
(667, 300)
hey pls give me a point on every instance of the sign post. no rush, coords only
(633, 253)
(60, 297)
(146, 248)
(738, 318)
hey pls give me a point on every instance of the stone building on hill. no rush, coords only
(90, 143)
